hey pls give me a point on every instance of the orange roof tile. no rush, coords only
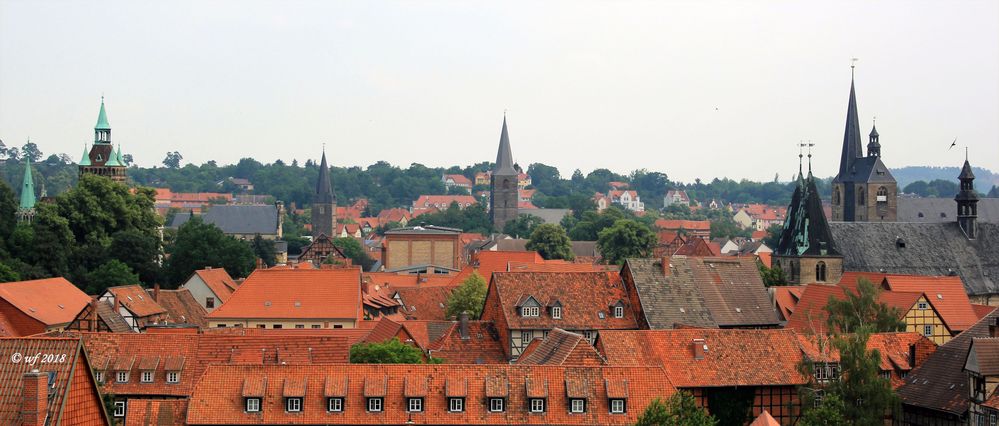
(219, 281)
(786, 298)
(586, 299)
(810, 314)
(425, 303)
(560, 347)
(765, 419)
(182, 307)
(296, 293)
(731, 357)
(51, 301)
(487, 262)
(158, 412)
(690, 225)
(134, 298)
(483, 345)
(982, 310)
(946, 294)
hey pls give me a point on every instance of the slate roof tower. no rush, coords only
(806, 250)
(323, 203)
(103, 160)
(967, 202)
(863, 189)
(503, 189)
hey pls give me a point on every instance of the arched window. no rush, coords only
(835, 197)
(860, 197)
(820, 271)
(882, 191)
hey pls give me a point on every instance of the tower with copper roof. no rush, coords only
(102, 159)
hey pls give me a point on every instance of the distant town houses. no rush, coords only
(627, 199)
(430, 203)
(457, 181)
(759, 216)
(677, 196)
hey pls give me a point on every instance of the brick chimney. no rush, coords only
(34, 394)
(699, 346)
(463, 325)
(665, 266)
(156, 291)
(93, 314)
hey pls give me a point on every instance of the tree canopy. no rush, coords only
(679, 410)
(551, 242)
(199, 245)
(863, 310)
(468, 297)
(626, 238)
(389, 352)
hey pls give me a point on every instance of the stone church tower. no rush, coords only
(323, 203)
(863, 190)
(503, 189)
(806, 251)
(102, 159)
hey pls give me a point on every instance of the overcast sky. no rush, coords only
(694, 89)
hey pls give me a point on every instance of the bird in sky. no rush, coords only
(953, 144)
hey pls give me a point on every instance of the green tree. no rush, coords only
(8, 274)
(389, 352)
(863, 310)
(773, 235)
(771, 276)
(551, 242)
(172, 160)
(725, 227)
(264, 250)
(828, 413)
(8, 211)
(354, 251)
(522, 226)
(469, 297)
(30, 150)
(140, 251)
(111, 274)
(627, 238)
(199, 245)
(679, 410)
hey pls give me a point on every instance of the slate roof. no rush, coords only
(324, 187)
(586, 298)
(51, 301)
(702, 292)
(806, 231)
(504, 155)
(216, 398)
(935, 210)
(929, 249)
(250, 220)
(732, 357)
(546, 215)
(579, 248)
(940, 383)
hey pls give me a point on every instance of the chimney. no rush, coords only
(993, 327)
(912, 355)
(260, 263)
(117, 303)
(34, 394)
(280, 219)
(156, 291)
(93, 314)
(699, 348)
(463, 325)
(665, 266)
(364, 285)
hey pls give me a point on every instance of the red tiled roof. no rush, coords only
(219, 281)
(156, 412)
(766, 257)
(217, 397)
(947, 295)
(786, 298)
(482, 346)
(296, 293)
(425, 303)
(459, 179)
(732, 357)
(982, 310)
(560, 347)
(584, 296)
(690, 225)
(134, 298)
(765, 419)
(182, 307)
(810, 314)
(893, 348)
(51, 301)
(443, 201)
(487, 262)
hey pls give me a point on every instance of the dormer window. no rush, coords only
(173, 377)
(293, 405)
(122, 377)
(557, 312)
(577, 405)
(415, 405)
(619, 312)
(252, 405)
(147, 377)
(617, 406)
(530, 311)
(335, 405)
(375, 405)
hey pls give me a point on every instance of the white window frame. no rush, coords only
(577, 405)
(537, 405)
(173, 377)
(293, 405)
(530, 311)
(334, 405)
(557, 312)
(121, 377)
(375, 404)
(252, 405)
(496, 405)
(619, 312)
(146, 376)
(618, 406)
(99, 376)
(119, 409)
(414, 405)
(526, 337)
(928, 330)
(456, 405)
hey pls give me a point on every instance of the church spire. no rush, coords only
(324, 187)
(102, 130)
(874, 145)
(967, 201)
(852, 147)
(27, 187)
(504, 156)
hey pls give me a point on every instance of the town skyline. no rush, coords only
(601, 90)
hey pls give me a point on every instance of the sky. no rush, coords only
(695, 89)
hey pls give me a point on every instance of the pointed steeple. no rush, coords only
(504, 156)
(874, 145)
(324, 188)
(27, 188)
(967, 202)
(852, 147)
(85, 160)
(806, 231)
(114, 158)
(102, 118)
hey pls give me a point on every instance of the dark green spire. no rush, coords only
(102, 119)
(27, 188)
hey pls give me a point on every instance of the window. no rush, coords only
(882, 195)
(928, 330)
(537, 405)
(820, 271)
(577, 405)
(374, 405)
(617, 406)
(860, 197)
(557, 312)
(293, 405)
(261, 325)
(122, 377)
(277, 326)
(525, 337)
(220, 325)
(826, 372)
(252, 405)
(922, 306)
(119, 408)
(299, 325)
(456, 405)
(529, 311)
(415, 405)
(316, 326)
(590, 336)
(173, 377)
(210, 302)
(99, 376)
(619, 312)
(335, 405)
(496, 405)
(886, 374)
(147, 377)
